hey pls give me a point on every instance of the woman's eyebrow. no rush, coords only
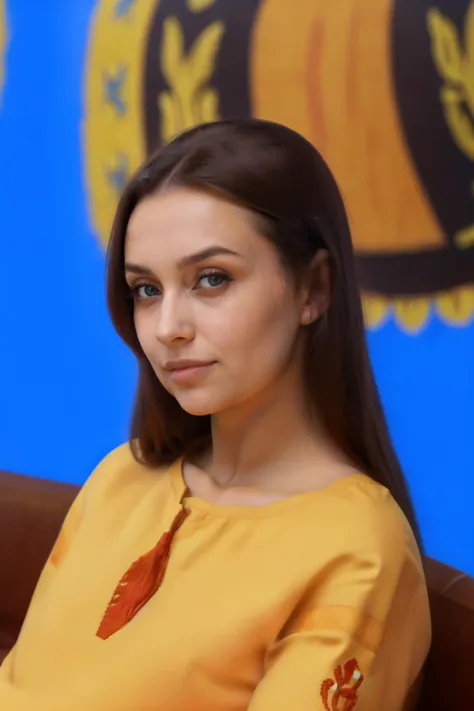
(213, 251)
(207, 253)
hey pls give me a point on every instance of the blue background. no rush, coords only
(67, 382)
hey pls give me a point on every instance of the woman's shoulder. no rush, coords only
(118, 470)
(121, 457)
(360, 517)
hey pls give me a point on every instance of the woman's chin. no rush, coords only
(198, 404)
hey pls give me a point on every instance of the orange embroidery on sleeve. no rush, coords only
(340, 693)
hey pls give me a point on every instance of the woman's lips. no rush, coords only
(193, 372)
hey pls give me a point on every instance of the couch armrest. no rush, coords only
(448, 674)
(31, 513)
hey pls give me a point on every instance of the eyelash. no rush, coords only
(209, 273)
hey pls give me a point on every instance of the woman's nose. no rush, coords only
(174, 322)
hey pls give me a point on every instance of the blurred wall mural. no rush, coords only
(385, 90)
(360, 79)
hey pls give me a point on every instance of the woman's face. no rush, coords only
(209, 288)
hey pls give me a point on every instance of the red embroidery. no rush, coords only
(139, 584)
(340, 693)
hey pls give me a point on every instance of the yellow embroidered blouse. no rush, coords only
(316, 602)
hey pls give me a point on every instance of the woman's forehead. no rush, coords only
(183, 221)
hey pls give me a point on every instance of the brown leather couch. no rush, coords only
(31, 513)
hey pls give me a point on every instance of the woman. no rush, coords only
(254, 547)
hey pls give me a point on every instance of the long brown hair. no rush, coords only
(282, 178)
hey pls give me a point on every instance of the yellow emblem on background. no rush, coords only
(455, 65)
(3, 43)
(190, 101)
(199, 5)
(113, 128)
(113, 139)
(155, 68)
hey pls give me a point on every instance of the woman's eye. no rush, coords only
(214, 280)
(145, 291)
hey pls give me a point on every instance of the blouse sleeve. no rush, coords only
(13, 698)
(359, 640)
(95, 485)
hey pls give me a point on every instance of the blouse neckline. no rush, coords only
(260, 511)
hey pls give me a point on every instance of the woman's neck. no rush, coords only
(258, 443)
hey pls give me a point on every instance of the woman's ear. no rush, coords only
(317, 291)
